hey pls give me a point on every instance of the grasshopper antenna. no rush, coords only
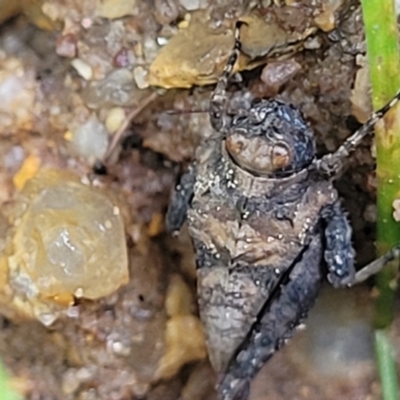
(331, 164)
(219, 98)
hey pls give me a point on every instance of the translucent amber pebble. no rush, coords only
(184, 335)
(69, 242)
(185, 343)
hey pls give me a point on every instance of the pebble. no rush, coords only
(82, 68)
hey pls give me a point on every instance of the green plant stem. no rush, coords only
(383, 58)
(386, 366)
(6, 392)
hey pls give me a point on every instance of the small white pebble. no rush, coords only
(301, 327)
(83, 68)
(46, 318)
(120, 349)
(140, 76)
(190, 5)
(73, 312)
(114, 119)
(55, 110)
(84, 374)
(85, 180)
(87, 23)
(162, 41)
(90, 139)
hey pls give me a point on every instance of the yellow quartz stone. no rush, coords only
(69, 242)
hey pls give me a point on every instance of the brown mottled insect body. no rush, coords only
(245, 246)
(263, 215)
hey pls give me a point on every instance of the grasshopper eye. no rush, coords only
(256, 155)
(280, 156)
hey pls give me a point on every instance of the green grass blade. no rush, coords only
(383, 58)
(6, 392)
(386, 365)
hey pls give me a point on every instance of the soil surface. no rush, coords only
(124, 86)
